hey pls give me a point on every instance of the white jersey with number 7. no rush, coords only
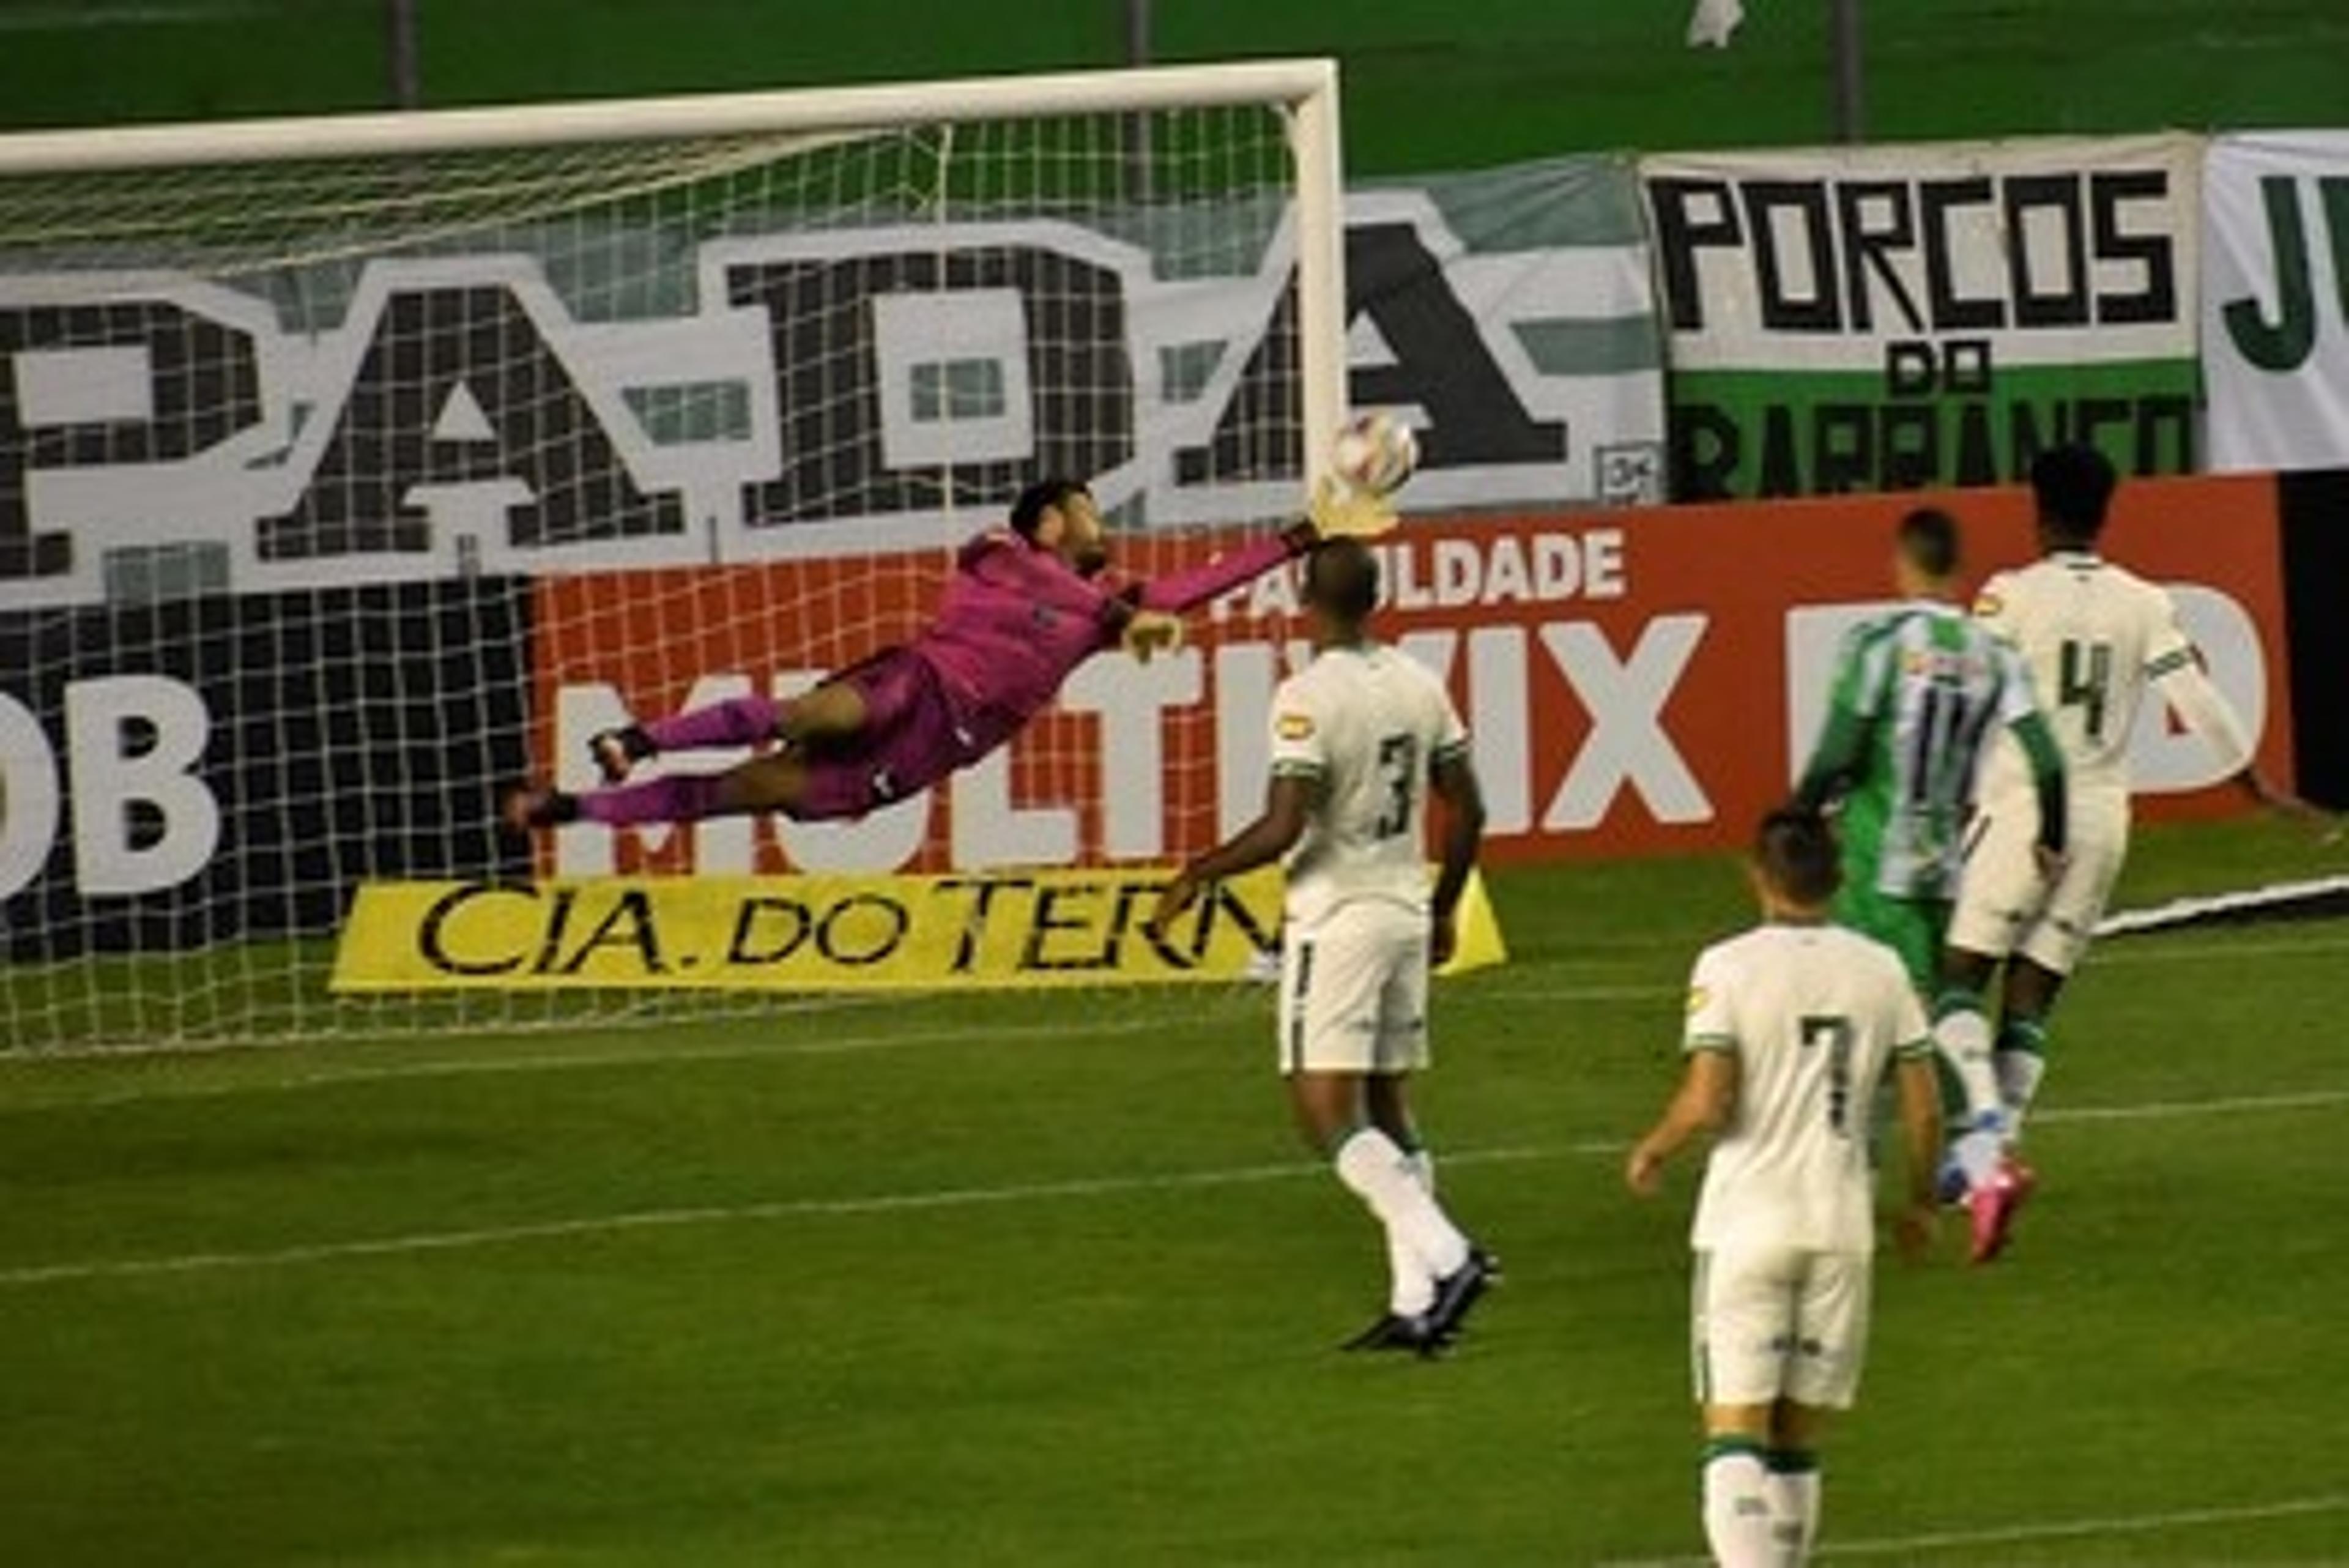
(1814, 1015)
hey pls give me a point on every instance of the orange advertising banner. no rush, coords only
(1636, 681)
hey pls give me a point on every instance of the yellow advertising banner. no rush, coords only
(1006, 930)
(801, 933)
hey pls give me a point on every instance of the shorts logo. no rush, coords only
(1987, 604)
(1294, 727)
(1698, 996)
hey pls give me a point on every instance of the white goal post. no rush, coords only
(349, 466)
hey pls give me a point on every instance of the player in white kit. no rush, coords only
(1791, 1027)
(2096, 639)
(1358, 737)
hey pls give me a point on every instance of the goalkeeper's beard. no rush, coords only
(1090, 559)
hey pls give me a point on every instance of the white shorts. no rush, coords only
(2005, 906)
(1353, 991)
(1779, 1323)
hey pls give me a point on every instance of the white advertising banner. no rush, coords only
(2275, 300)
(1898, 317)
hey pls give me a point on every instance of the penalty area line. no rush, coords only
(717, 1214)
(2049, 1530)
(415, 1243)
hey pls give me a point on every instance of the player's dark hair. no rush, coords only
(2074, 486)
(1795, 850)
(1044, 495)
(1342, 579)
(1927, 540)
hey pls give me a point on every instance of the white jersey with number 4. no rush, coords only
(1370, 724)
(1815, 1014)
(2095, 635)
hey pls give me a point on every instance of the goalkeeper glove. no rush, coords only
(1149, 632)
(1340, 512)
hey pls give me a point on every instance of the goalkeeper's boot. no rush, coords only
(1994, 1205)
(1456, 1292)
(1394, 1330)
(618, 751)
(528, 806)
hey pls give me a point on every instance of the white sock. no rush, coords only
(2019, 1072)
(1962, 1037)
(1737, 1510)
(1412, 1287)
(1793, 1494)
(1379, 1173)
(1979, 1148)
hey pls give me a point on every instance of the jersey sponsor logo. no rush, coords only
(1926, 662)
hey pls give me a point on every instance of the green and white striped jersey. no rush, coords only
(1916, 693)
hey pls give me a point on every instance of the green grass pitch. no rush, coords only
(1044, 1281)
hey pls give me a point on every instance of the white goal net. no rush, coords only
(350, 469)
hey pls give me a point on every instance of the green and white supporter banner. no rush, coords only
(1901, 317)
(2275, 300)
(1510, 316)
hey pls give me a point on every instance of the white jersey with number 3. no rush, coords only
(1814, 1014)
(1370, 724)
(2095, 635)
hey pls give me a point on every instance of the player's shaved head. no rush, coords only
(1341, 581)
(1044, 495)
(2074, 486)
(1795, 853)
(1927, 540)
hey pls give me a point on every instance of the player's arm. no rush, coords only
(1919, 1092)
(2177, 671)
(1700, 1105)
(1289, 803)
(2038, 744)
(1842, 747)
(1453, 777)
(1195, 586)
(1707, 1095)
(1917, 1087)
(1336, 513)
(2188, 688)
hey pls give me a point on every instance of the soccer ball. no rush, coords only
(1375, 453)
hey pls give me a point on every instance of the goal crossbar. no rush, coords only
(1309, 84)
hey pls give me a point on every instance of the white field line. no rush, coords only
(1504, 985)
(568, 1061)
(729, 1213)
(2050, 1530)
(427, 1241)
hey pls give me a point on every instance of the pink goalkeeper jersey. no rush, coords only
(1015, 618)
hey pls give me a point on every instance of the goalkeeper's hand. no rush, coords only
(1340, 512)
(1151, 632)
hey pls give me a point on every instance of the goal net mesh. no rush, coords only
(336, 493)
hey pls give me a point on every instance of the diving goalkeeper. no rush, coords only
(1025, 605)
